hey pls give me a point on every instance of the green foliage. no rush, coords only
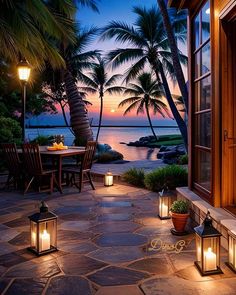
(183, 160)
(10, 131)
(43, 140)
(180, 206)
(109, 156)
(134, 176)
(169, 176)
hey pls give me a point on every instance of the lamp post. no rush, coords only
(23, 69)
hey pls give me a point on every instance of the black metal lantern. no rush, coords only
(207, 248)
(232, 252)
(43, 231)
(165, 202)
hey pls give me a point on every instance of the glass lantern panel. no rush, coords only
(232, 251)
(199, 250)
(33, 234)
(164, 206)
(108, 180)
(47, 235)
(211, 257)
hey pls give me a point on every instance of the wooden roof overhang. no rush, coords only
(184, 4)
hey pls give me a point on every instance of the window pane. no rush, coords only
(203, 169)
(206, 59)
(206, 22)
(197, 65)
(203, 129)
(196, 31)
(203, 94)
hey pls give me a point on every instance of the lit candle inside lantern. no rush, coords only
(45, 240)
(33, 239)
(164, 209)
(108, 180)
(210, 260)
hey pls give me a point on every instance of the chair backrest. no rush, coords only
(89, 155)
(11, 157)
(32, 158)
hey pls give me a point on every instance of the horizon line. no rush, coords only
(104, 126)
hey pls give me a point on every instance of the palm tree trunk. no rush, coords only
(64, 117)
(174, 52)
(180, 122)
(78, 113)
(150, 121)
(100, 117)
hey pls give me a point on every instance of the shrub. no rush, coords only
(170, 176)
(134, 176)
(183, 160)
(10, 131)
(43, 140)
(179, 206)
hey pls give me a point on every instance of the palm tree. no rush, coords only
(28, 27)
(66, 79)
(97, 81)
(149, 45)
(173, 45)
(146, 94)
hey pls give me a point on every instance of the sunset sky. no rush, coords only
(119, 10)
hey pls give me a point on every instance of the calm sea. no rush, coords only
(113, 136)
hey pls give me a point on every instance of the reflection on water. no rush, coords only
(113, 136)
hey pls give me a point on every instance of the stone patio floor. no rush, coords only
(104, 248)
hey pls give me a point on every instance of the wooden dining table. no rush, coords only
(58, 155)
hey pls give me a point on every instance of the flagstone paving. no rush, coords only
(105, 240)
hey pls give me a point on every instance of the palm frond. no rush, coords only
(114, 89)
(120, 56)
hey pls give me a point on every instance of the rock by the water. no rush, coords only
(105, 154)
(170, 154)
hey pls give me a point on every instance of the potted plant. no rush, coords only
(179, 215)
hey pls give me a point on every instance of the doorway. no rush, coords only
(228, 106)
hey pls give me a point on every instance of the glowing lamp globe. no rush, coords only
(24, 70)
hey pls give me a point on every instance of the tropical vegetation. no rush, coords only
(98, 81)
(171, 176)
(148, 45)
(134, 176)
(47, 35)
(146, 94)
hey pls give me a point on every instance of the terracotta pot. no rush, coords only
(179, 221)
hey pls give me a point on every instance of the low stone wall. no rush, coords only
(223, 221)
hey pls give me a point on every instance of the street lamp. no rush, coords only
(23, 69)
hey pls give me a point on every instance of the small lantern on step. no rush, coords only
(208, 248)
(108, 179)
(43, 231)
(165, 202)
(232, 252)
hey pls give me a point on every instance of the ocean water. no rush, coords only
(114, 136)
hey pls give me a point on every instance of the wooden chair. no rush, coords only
(83, 169)
(34, 168)
(14, 165)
